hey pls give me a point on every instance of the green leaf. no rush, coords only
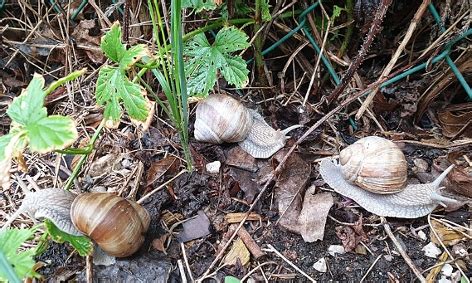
(205, 60)
(133, 55)
(28, 107)
(4, 142)
(231, 279)
(199, 5)
(82, 244)
(111, 43)
(50, 133)
(265, 7)
(336, 12)
(113, 87)
(22, 262)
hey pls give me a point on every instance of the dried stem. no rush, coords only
(375, 29)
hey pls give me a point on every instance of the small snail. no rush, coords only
(221, 118)
(373, 172)
(116, 224)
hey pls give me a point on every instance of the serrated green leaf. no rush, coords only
(133, 55)
(111, 43)
(28, 107)
(113, 86)
(22, 262)
(265, 7)
(206, 59)
(199, 5)
(82, 244)
(336, 12)
(50, 133)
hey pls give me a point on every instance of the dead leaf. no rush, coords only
(460, 180)
(104, 164)
(91, 43)
(436, 270)
(237, 252)
(238, 216)
(245, 182)
(159, 168)
(159, 243)
(195, 228)
(456, 119)
(312, 218)
(447, 235)
(351, 236)
(237, 157)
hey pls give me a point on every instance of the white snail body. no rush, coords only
(221, 118)
(410, 201)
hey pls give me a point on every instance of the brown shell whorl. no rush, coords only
(375, 164)
(116, 224)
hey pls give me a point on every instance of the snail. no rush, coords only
(373, 173)
(116, 224)
(223, 119)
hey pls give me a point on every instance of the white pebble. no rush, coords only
(336, 249)
(430, 250)
(446, 270)
(422, 235)
(320, 265)
(213, 167)
(444, 280)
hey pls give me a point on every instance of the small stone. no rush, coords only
(446, 270)
(444, 280)
(213, 167)
(421, 166)
(336, 249)
(422, 235)
(320, 265)
(361, 250)
(430, 250)
(388, 257)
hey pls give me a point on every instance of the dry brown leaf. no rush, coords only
(447, 235)
(238, 252)
(245, 182)
(312, 218)
(104, 164)
(159, 168)
(436, 270)
(159, 243)
(237, 157)
(456, 119)
(460, 180)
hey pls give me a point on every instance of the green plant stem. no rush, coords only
(69, 77)
(78, 167)
(258, 44)
(84, 150)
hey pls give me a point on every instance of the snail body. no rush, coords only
(404, 201)
(116, 224)
(223, 119)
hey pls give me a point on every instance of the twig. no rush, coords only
(419, 13)
(182, 271)
(251, 245)
(89, 269)
(370, 268)
(272, 249)
(403, 253)
(256, 268)
(375, 28)
(160, 187)
(184, 254)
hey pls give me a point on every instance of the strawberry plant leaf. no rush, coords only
(199, 5)
(22, 262)
(51, 133)
(133, 55)
(111, 43)
(28, 107)
(113, 87)
(82, 244)
(205, 60)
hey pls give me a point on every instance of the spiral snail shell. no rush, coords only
(116, 224)
(367, 178)
(223, 119)
(375, 164)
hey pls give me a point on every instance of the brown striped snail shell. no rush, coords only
(223, 119)
(375, 164)
(116, 224)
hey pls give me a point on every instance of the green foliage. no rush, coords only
(231, 279)
(16, 263)
(82, 244)
(336, 12)
(265, 7)
(199, 5)
(113, 85)
(206, 59)
(31, 124)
